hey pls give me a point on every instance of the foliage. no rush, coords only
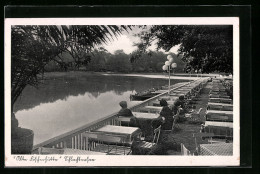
(119, 62)
(205, 48)
(35, 46)
(101, 60)
(98, 59)
(154, 62)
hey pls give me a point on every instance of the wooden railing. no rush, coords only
(74, 139)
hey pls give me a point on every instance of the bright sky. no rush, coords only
(125, 42)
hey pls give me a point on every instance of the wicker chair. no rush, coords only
(145, 147)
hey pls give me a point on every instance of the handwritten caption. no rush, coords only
(47, 159)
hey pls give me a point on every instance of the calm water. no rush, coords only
(64, 103)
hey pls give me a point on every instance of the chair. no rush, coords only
(145, 147)
(211, 137)
(194, 117)
(107, 143)
(121, 119)
(175, 123)
(194, 114)
(201, 135)
(120, 149)
(185, 151)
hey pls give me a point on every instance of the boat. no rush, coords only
(142, 97)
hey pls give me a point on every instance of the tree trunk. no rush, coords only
(21, 138)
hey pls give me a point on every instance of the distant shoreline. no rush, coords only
(155, 76)
(177, 76)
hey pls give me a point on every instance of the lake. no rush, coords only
(67, 101)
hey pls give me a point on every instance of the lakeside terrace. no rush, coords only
(77, 140)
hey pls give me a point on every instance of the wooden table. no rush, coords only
(187, 87)
(175, 95)
(145, 115)
(220, 100)
(185, 92)
(218, 89)
(219, 149)
(160, 91)
(167, 98)
(184, 89)
(68, 151)
(219, 124)
(218, 96)
(181, 91)
(178, 94)
(130, 132)
(153, 109)
(220, 106)
(218, 112)
(157, 103)
(216, 115)
(218, 93)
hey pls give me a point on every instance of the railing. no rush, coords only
(74, 139)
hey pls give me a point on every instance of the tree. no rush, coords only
(35, 46)
(154, 62)
(209, 48)
(119, 62)
(98, 60)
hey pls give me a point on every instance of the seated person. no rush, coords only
(182, 101)
(166, 115)
(177, 109)
(176, 106)
(125, 112)
(165, 120)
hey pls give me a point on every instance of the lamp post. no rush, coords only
(168, 66)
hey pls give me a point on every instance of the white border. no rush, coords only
(127, 160)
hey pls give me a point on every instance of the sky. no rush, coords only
(126, 41)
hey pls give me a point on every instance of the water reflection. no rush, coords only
(65, 103)
(61, 87)
(51, 119)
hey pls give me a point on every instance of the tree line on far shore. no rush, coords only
(102, 61)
